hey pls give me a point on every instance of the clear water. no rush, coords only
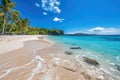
(105, 49)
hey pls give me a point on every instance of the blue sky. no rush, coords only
(90, 16)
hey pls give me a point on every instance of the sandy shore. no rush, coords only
(36, 58)
(10, 43)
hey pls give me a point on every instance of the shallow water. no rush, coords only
(104, 49)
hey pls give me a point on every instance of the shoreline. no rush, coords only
(23, 54)
(42, 59)
(17, 42)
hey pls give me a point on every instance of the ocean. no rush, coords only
(105, 49)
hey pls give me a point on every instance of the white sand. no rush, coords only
(10, 43)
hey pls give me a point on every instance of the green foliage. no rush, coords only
(35, 32)
(12, 23)
(56, 32)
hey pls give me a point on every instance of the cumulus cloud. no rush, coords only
(51, 5)
(44, 13)
(56, 19)
(104, 31)
(96, 29)
(38, 5)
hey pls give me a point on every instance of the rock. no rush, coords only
(69, 65)
(70, 69)
(66, 43)
(117, 66)
(68, 52)
(73, 44)
(90, 77)
(91, 61)
(86, 76)
(75, 48)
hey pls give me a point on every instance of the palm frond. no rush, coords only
(10, 5)
(2, 14)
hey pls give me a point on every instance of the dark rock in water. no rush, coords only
(73, 44)
(91, 61)
(117, 66)
(66, 43)
(68, 52)
(75, 48)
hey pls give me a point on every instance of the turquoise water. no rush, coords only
(106, 45)
(105, 49)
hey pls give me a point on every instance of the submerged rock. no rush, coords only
(91, 61)
(75, 48)
(117, 66)
(73, 44)
(68, 52)
(66, 43)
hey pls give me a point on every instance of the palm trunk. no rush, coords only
(4, 25)
(9, 30)
(11, 27)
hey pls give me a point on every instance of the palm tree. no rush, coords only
(14, 15)
(5, 9)
(24, 23)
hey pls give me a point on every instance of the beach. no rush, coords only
(17, 51)
(52, 40)
(34, 57)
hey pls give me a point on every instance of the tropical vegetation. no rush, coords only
(11, 22)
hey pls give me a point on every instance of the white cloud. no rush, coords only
(96, 29)
(51, 5)
(57, 10)
(38, 5)
(104, 31)
(44, 13)
(56, 19)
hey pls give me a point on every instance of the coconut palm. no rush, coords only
(5, 9)
(14, 16)
(24, 23)
(1, 21)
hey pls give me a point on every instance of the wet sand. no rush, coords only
(40, 59)
(19, 56)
